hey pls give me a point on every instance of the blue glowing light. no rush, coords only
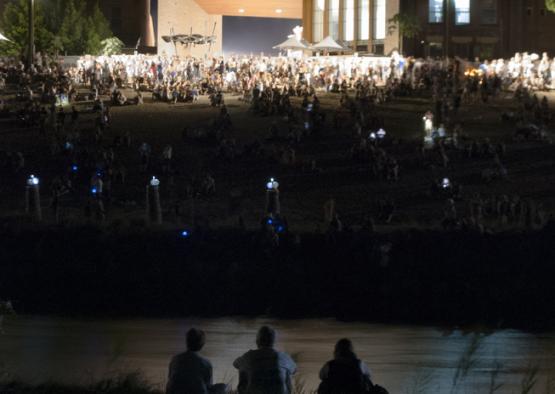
(280, 229)
(185, 234)
(94, 190)
(74, 168)
(270, 221)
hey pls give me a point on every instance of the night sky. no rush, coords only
(248, 34)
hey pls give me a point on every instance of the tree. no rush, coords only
(15, 24)
(111, 46)
(550, 5)
(407, 25)
(71, 27)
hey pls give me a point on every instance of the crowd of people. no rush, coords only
(266, 370)
(46, 90)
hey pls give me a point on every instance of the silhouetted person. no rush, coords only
(190, 373)
(345, 374)
(265, 370)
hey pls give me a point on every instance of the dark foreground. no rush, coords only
(501, 280)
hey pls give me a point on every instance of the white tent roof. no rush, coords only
(4, 38)
(292, 43)
(328, 44)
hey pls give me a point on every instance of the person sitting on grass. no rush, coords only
(190, 373)
(265, 370)
(346, 374)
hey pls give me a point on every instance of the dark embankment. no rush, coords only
(427, 276)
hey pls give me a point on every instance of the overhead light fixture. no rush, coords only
(279, 11)
(241, 10)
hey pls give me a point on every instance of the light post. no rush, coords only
(31, 28)
(32, 198)
(447, 26)
(153, 206)
(272, 198)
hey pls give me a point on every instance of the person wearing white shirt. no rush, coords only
(265, 370)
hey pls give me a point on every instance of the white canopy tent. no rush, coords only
(292, 43)
(328, 44)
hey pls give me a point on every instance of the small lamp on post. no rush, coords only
(153, 206)
(32, 198)
(272, 198)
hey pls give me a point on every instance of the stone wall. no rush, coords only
(185, 16)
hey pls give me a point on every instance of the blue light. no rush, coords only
(74, 168)
(185, 234)
(280, 229)
(93, 190)
(270, 221)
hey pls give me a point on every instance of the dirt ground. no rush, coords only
(240, 184)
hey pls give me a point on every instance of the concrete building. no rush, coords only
(362, 24)
(481, 28)
(466, 28)
(152, 19)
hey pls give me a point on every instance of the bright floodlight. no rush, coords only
(272, 185)
(381, 133)
(154, 181)
(446, 183)
(32, 181)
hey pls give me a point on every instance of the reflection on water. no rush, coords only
(401, 358)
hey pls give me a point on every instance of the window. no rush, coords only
(489, 12)
(334, 19)
(318, 24)
(349, 20)
(435, 11)
(462, 12)
(363, 19)
(379, 19)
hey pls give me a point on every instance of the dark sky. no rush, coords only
(248, 34)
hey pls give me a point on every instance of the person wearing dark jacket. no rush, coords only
(345, 374)
(190, 373)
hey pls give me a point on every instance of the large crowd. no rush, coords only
(266, 84)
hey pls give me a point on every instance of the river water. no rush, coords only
(402, 358)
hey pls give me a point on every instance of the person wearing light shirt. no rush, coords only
(265, 370)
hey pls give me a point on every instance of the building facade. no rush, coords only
(147, 21)
(481, 28)
(465, 28)
(360, 24)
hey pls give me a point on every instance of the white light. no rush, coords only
(279, 11)
(154, 182)
(445, 183)
(241, 10)
(272, 185)
(32, 181)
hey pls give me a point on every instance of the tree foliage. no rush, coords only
(71, 27)
(550, 5)
(407, 26)
(14, 24)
